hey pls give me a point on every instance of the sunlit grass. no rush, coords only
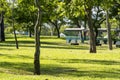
(59, 61)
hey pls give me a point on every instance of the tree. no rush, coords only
(16, 41)
(98, 19)
(25, 14)
(83, 8)
(91, 31)
(52, 14)
(106, 5)
(37, 39)
(3, 7)
(2, 35)
(87, 5)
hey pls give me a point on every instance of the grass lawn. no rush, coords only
(59, 61)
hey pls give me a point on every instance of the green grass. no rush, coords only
(59, 61)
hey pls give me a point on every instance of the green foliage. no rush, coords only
(25, 15)
(63, 29)
(114, 35)
(8, 30)
(25, 11)
(107, 4)
(53, 10)
(4, 7)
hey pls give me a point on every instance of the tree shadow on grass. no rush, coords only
(49, 37)
(25, 42)
(55, 45)
(89, 61)
(1, 48)
(18, 36)
(16, 68)
(13, 45)
(57, 70)
(66, 47)
(52, 43)
(15, 56)
(20, 44)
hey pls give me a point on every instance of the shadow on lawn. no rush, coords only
(57, 70)
(29, 42)
(1, 48)
(18, 36)
(56, 45)
(25, 36)
(61, 71)
(66, 47)
(20, 43)
(16, 68)
(15, 56)
(89, 61)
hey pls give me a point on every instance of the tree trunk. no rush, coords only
(14, 27)
(2, 35)
(30, 32)
(82, 36)
(16, 42)
(58, 32)
(91, 31)
(0, 31)
(108, 31)
(37, 50)
(56, 27)
(96, 34)
(37, 41)
(85, 22)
